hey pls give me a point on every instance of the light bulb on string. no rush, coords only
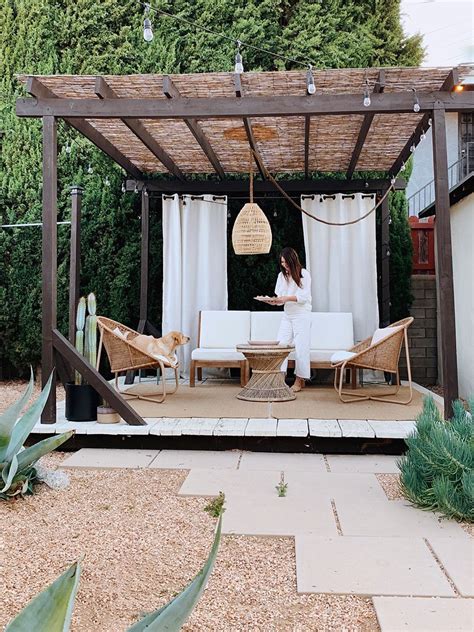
(275, 214)
(68, 148)
(310, 86)
(90, 170)
(392, 180)
(123, 187)
(367, 100)
(416, 105)
(412, 148)
(403, 167)
(135, 189)
(422, 136)
(107, 182)
(147, 30)
(430, 122)
(239, 65)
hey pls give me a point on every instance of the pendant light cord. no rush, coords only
(268, 175)
(251, 175)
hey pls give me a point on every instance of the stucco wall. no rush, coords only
(423, 157)
(462, 235)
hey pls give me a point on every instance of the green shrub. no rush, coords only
(437, 472)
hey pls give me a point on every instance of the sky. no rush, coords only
(447, 26)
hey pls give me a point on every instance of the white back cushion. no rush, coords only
(224, 329)
(330, 330)
(380, 334)
(265, 325)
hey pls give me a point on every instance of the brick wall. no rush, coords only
(422, 335)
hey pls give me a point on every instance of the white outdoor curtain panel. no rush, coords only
(342, 259)
(194, 264)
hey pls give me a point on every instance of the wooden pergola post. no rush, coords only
(385, 262)
(144, 261)
(75, 258)
(49, 265)
(445, 260)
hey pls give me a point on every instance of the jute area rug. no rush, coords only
(219, 400)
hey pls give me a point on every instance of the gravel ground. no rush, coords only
(11, 390)
(142, 544)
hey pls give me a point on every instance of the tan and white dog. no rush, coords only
(164, 346)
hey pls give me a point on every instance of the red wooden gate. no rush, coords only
(422, 236)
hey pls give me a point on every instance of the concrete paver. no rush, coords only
(375, 463)
(282, 461)
(457, 557)
(424, 614)
(187, 459)
(105, 459)
(271, 515)
(392, 518)
(207, 482)
(313, 485)
(368, 566)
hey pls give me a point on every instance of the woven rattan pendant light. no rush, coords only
(252, 233)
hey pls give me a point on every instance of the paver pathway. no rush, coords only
(349, 538)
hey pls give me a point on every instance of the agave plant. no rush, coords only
(51, 610)
(16, 462)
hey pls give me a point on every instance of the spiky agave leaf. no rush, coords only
(51, 610)
(173, 615)
(30, 455)
(27, 422)
(10, 416)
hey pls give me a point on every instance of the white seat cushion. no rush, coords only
(342, 356)
(217, 355)
(384, 332)
(224, 329)
(331, 331)
(265, 325)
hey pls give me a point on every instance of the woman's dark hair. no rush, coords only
(291, 257)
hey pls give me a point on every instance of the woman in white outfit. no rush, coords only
(293, 288)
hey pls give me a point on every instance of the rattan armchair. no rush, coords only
(384, 355)
(124, 356)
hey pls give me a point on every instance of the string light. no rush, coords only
(147, 30)
(422, 136)
(123, 187)
(275, 214)
(221, 35)
(68, 148)
(310, 86)
(90, 170)
(412, 148)
(430, 121)
(403, 167)
(239, 66)
(416, 105)
(392, 180)
(367, 100)
(107, 182)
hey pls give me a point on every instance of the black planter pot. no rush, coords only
(81, 402)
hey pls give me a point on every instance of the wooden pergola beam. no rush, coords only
(105, 92)
(366, 123)
(449, 83)
(240, 187)
(239, 93)
(40, 91)
(171, 92)
(224, 107)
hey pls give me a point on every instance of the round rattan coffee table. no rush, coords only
(267, 383)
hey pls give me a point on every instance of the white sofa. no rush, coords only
(221, 331)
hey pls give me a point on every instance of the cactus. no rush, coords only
(86, 331)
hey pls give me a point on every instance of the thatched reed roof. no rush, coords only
(280, 140)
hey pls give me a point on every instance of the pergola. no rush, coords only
(204, 124)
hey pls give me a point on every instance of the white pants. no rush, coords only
(295, 329)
